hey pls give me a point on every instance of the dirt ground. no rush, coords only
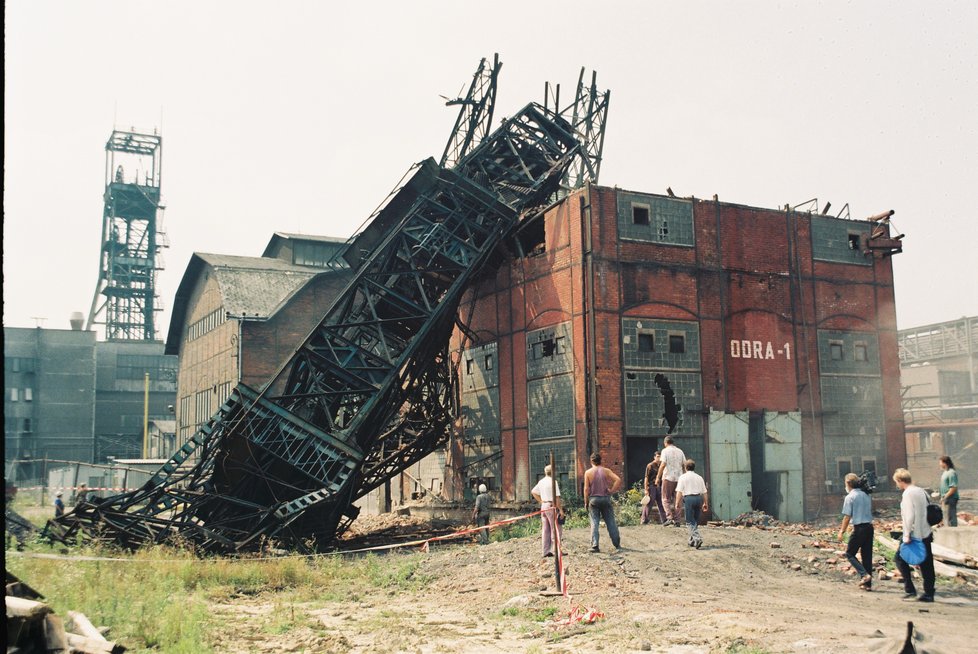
(747, 590)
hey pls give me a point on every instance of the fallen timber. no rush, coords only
(371, 390)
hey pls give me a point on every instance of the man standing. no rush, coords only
(653, 491)
(858, 509)
(670, 469)
(59, 505)
(483, 502)
(599, 484)
(550, 509)
(691, 494)
(949, 491)
(913, 510)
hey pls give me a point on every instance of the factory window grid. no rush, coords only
(135, 366)
(208, 323)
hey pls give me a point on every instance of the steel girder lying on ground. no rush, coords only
(371, 389)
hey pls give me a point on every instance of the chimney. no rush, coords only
(77, 320)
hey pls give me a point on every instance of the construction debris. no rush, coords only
(33, 627)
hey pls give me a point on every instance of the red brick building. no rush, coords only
(774, 329)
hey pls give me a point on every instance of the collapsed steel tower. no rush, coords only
(371, 390)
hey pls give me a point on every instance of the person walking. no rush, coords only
(949, 491)
(670, 468)
(857, 510)
(913, 511)
(653, 491)
(480, 514)
(599, 484)
(59, 505)
(692, 496)
(552, 510)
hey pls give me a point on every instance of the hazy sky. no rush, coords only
(301, 116)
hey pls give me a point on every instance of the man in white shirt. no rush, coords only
(543, 493)
(692, 496)
(670, 468)
(913, 511)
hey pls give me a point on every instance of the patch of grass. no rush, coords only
(157, 598)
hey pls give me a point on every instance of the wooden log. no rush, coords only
(948, 555)
(939, 568)
(18, 607)
(84, 645)
(80, 624)
(55, 638)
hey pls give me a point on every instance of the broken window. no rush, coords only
(532, 238)
(544, 349)
(469, 365)
(663, 229)
(677, 343)
(631, 376)
(835, 350)
(861, 352)
(646, 343)
(640, 214)
(488, 362)
(560, 345)
(853, 241)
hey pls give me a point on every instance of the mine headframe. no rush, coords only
(370, 390)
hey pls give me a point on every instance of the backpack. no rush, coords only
(935, 514)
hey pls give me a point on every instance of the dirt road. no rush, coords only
(736, 594)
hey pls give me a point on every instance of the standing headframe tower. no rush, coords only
(125, 299)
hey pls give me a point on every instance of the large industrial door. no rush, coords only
(730, 476)
(782, 456)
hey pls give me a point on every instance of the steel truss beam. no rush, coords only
(371, 390)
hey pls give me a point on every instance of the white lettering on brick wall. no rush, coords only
(744, 349)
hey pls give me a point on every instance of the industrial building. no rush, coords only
(939, 374)
(773, 330)
(239, 318)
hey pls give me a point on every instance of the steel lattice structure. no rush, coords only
(371, 390)
(125, 298)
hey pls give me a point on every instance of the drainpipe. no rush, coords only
(590, 350)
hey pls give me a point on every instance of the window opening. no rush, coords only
(28, 394)
(640, 215)
(532, 238)
(488, 362)
(664, 229)
(468, 366)
(869, 465)
(854, 242)
(677, 343)
(925, 442)
(646, 343)
(835, 349)
(560, 345)
(861, 352)
(845, 467)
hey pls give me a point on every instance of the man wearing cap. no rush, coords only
(913, 510)
(483, 502)
(59, 505)
(552, 510)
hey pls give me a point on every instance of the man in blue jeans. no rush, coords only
(599, 484)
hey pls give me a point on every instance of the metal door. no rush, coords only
(730, 473)
(782, 454)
